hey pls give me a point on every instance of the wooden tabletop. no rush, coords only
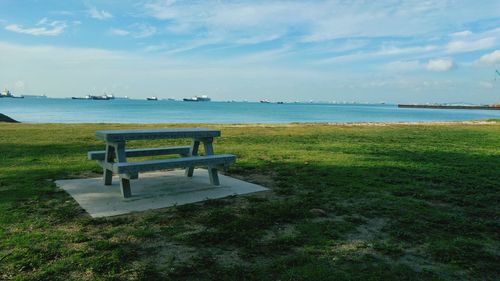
(144, 134)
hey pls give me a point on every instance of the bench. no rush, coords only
(181, 150)
(152, 165)
(114, 158)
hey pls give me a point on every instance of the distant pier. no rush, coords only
(440, 106)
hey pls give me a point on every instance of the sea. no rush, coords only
(52, 110)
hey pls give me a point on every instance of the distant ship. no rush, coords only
(35, 96)
(103, 97)
(265, 101)
(198, 98)
(7, 94)
(91, 97)
(152, 98)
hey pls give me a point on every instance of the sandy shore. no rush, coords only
(5, 118)
(375, 124)
(426, 123)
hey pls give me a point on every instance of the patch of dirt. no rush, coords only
(415, 123)
(370, 230)
(173, 254)
(350, 250)
(286, 229)
(84, 175)
(228, 257)
(426, 123)
(417, 260)
(260, 179)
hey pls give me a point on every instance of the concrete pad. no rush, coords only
(152, 191)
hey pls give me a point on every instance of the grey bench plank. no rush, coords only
(124, 135)
(182, 150)
(152, 165)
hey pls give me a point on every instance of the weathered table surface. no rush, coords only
(124, 135)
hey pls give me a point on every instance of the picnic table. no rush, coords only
(114, 158)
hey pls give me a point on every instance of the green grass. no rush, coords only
(402, 202)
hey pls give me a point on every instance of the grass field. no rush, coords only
(397, 202)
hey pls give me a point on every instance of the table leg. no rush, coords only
(212, 171)
(124, 182)
(195, 144)
(109, 158)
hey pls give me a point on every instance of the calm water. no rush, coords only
(142, 111)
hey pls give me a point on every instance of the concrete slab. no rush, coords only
(152, 191)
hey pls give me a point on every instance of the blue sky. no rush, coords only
(366, 51)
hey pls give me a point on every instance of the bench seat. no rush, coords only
(183, 162)
(100, 155)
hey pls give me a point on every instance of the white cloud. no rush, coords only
(44, 27)
(486, 84)
(392, 50)
(385, 51)
(464, 33)
(314, 21)
(163, 10)
(461, 46)
(440, 65)
(137, 30)
(261, 56)
(63, 13)
(42, 21)
(259, 38)
(328, 21)
(176, 48)
(229, 22)
(337, 46)
(19, 86)
(403, 66)
(491, 58)
(119, 32)
(100, 15)
(143, 30)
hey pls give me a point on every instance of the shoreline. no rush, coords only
(439, 106)
(375, 124)
(291, 124)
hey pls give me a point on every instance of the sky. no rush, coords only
(355, 51)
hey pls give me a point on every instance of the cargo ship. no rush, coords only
(7, 94)
(198, 98)
(91, 97)
(35, 96)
